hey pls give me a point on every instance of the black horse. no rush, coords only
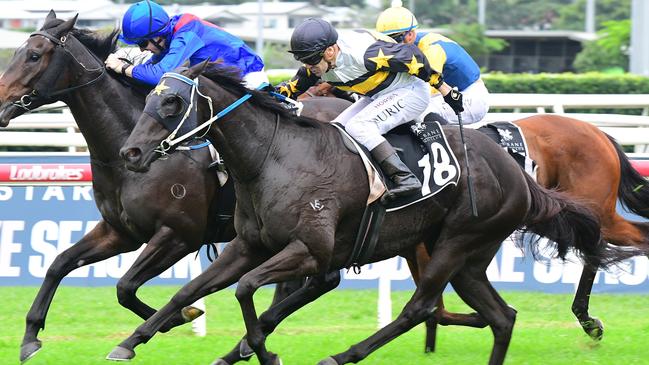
(175, 213)
(300, 197)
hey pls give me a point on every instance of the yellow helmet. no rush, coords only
(396, 19)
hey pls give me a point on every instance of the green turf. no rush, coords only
(86, 323)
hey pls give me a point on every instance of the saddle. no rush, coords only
(423, 147)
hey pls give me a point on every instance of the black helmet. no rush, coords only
(311, 38)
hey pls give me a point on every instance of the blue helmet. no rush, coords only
(142, 21)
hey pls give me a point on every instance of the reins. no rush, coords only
(171, 141)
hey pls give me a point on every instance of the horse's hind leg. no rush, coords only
(446, 259)
(441, 315)
(164, 249)
(99, 244)
(472, 285)
(617, 231)
(315, 287)
(592, 326)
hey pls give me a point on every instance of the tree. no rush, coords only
(609, 51)
(517, 14)
(573, 16)
(472, 37)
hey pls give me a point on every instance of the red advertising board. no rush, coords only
(46, 173)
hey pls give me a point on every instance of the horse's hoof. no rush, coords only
(28, 350)
(593, 328)
(190, 313)
(274, 360)
(328, 361)
(120, 354)
(245, 351)
(220, 362)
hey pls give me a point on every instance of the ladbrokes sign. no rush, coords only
(45, 173)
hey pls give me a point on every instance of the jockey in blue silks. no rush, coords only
(175, 40)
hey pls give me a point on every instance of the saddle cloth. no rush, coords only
(423, 147)
(511, 138)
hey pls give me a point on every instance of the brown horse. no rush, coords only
(577, 158)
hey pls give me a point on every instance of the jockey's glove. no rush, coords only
(454, 100)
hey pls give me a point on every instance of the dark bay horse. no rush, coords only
(580, 160)
(174, 213)
(283, 165)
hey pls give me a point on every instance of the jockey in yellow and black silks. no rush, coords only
(393, 78)
(444, 55)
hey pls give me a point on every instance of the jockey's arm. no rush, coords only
(342, 94)
(401, 57)
(181, 47)
(298, 84)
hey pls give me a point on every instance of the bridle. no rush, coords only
(171, 141)
(52, 73)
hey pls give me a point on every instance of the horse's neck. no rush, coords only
(105, 113)
(246, 139)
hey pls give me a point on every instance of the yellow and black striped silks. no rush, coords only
(298, 84)
(383, 61)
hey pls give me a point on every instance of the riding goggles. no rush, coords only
(143, 43)
(310, 59)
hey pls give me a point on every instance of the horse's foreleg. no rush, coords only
(294, 261)
(592, 326)
(284, 290)
(236, 259)
(163, 250)
(100, 243)
(314, 288)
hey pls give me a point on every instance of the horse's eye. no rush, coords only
(171, 105)
(34, 57)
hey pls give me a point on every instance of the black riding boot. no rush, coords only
(399, 173)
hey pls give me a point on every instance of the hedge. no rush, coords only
(565, 83)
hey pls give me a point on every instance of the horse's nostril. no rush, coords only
(130, 154)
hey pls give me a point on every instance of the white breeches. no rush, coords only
(371, 117)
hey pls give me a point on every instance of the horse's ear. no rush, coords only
(197, 69)
(50, 16)
(49, 19)
(65, 27)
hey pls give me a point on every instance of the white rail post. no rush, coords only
(384, 309)
(199, 325)
(72, 130)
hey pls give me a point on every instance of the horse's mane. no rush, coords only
(100, 43)
(229, 79)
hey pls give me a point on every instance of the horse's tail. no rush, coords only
(633, 191)
(569, 224)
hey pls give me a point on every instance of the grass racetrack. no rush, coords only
(84, 324)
